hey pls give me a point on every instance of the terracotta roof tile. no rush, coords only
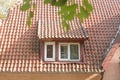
(19, 45)
(49, 25)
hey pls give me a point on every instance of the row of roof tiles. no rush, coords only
(31, 66)
(19, 45)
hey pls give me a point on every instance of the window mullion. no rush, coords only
(68, 51)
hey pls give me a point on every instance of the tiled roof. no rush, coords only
(50, 26)
(19, 45)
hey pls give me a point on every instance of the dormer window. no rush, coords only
(59, 45)
(69, 52)
(64, 51)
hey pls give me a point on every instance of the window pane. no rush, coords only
(49, 51)
(64, 52)
(74, 52)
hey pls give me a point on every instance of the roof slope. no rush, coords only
(50, 26)
(19, 45)
(102, 27)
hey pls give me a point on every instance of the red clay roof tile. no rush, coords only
(49, 25)
(19, 45)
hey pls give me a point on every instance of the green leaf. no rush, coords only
(87, 5)
(29, 17)
(34, 5)
(61, 2)
(28, 22)
(31, 14)
(65, 25)
(25, 7)
(27, 1)
(73, 7)
(68, 12)
(83, 14)
(47, 1)
(80, 16)
(53, 2)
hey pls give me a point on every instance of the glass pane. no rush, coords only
(49, 51)
(64, 52)
(74, 52)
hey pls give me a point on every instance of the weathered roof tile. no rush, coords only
(49, 25)
(19, 45)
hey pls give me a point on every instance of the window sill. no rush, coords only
(64, 62)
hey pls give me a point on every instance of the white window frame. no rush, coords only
(68, 45)
(45, 51)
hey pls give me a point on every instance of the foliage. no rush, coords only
(68, 10)
(28, 6)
